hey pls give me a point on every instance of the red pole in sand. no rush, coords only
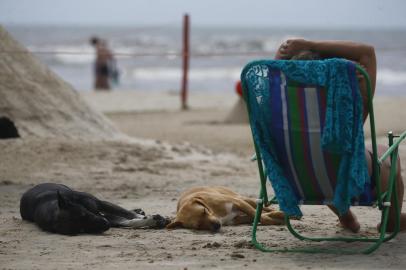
(185, 61)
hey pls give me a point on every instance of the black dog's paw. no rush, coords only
(160, 221)
(139, 211)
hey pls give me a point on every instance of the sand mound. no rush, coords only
(238, 114)
(39, 103)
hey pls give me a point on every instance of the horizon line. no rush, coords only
(205, 25)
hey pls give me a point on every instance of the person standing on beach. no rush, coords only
(104, 66)
(364, 55)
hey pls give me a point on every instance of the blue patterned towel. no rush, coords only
(342, 131)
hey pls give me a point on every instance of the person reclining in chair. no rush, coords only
(364, 55)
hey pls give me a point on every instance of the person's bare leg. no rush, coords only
(385, 172)
(348, 220)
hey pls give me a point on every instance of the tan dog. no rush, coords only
(209, 208)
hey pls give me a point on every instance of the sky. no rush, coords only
(261, 13)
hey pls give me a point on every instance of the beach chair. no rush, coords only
(307, 127)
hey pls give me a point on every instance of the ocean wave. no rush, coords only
(197, 74)
(387, 76)
(64, 54)
(384, 76)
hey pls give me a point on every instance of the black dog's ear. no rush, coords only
(62, 201)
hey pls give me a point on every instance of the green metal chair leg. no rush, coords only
(376, 241)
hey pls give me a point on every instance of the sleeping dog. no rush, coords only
(209, 208)
(59, 209)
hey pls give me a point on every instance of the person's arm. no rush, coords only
(361, 53)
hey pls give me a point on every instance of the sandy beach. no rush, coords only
(141, 114)
(138, 150)
(167, 151)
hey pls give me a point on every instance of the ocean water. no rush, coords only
(148, 57)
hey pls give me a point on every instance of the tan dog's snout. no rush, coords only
(210, 222)
(215, 226)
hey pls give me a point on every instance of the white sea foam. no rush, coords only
(75, 59)
(69, 55)
(197, 74)
(387, 76)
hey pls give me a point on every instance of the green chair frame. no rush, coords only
(383, 198)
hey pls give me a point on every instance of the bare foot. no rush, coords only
(350, 222)
(403, 222)
(391, 224)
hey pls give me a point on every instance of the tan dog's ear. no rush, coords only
(174, 224)
(203, 204)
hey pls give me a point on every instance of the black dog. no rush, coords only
(59, 209)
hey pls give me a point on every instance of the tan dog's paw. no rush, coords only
(276, 215)
(268, 209)
(266, 220)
